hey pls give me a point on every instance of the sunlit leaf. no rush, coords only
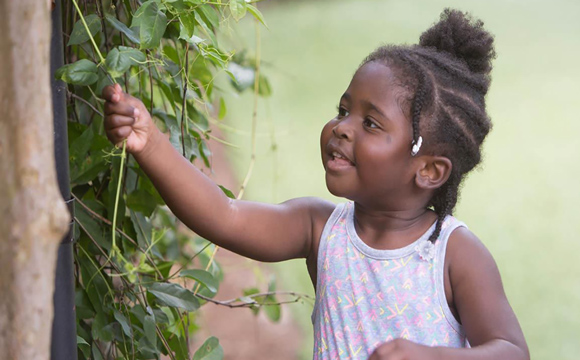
(152, 23)
(222, 110)
(187, 25)
(264, 88)
(209, 16)
(238, 9)
(256, 13)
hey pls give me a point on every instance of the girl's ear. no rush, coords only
(433, 173)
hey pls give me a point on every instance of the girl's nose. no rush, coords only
(343, 130)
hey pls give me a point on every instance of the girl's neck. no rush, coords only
(391, 229)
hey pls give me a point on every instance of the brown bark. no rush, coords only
(33, 216)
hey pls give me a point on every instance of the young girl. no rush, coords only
(397, 277)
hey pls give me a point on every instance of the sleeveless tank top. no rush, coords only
(366, 296)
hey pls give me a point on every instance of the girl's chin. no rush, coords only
(338, 188)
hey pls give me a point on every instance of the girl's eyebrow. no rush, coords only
(367, 105)
(373, 107)
(345, 97)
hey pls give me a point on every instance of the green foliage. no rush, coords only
(136, 296)
(82, 72)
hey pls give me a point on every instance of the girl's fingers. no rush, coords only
(112, 93)
(121, 108)
(117, 135)
(115, 121)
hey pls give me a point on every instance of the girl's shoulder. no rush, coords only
(465, 249)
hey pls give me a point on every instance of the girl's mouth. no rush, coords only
(338, 162)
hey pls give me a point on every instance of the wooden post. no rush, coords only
(33, 215)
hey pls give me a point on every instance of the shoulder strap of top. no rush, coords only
(449, 225)
(339, 211)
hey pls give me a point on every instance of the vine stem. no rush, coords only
(88, 31)
(254, 125)
(118, 194)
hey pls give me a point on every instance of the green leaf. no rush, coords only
(123, 29)
(84, 346)
(101, 329)
(174, 295)
(256, 13)
(228, 192)
(209, 15)
(79, 34)
(82, 72)
(149, 328)
(187, 25)
(120, 59)
(121, 319)
(146, 349)
(210, 350)
(249, 300)
(96, 352)
(140, 200)
(91, 226)
(199, 19)
(272, 311)
(143, 229)
(81, 341)
(264, 88)
(86, 155)
(201, 276)
(238, 9)
(80, 146)
(83, 307)
(222, 110)
(152, 23)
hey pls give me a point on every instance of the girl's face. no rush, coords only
(366, 148)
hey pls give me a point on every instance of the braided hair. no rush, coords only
(445, 79)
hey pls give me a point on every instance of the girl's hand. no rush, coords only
(401, 349)
(127, 118)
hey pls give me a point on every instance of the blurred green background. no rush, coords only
(522, 202)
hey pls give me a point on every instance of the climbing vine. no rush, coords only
(139, 278)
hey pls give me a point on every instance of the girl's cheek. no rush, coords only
(326, 133)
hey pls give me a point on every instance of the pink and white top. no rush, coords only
(367, 296)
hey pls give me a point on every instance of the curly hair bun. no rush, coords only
(459, 35)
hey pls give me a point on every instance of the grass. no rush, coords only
(522, 202)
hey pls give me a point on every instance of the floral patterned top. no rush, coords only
(367, 296)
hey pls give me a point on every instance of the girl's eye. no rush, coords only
(342, 112)
(370, 124)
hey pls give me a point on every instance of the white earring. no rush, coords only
(416, 146)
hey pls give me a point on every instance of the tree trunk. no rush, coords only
(33, 216)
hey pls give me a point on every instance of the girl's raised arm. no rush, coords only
(260, 231)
